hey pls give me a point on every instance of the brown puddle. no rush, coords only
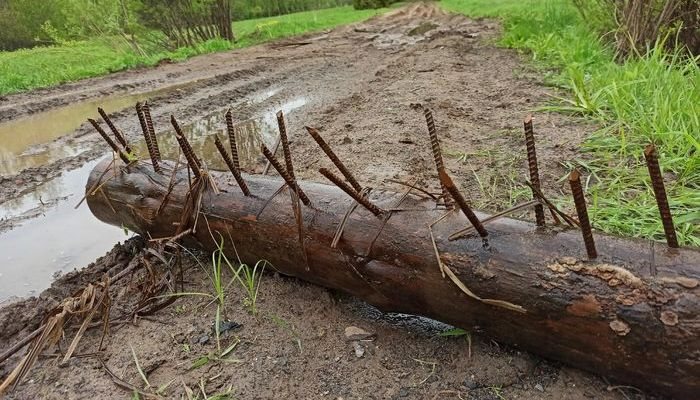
(21, 140)
(55, 238)
(52, 237)
(250, 134)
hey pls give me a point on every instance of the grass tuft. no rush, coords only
(650, 98)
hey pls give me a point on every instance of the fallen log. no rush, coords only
(632, 314)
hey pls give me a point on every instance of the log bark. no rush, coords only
(633, 314)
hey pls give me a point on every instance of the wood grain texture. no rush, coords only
(632, 314)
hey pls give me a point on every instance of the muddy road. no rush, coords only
(364, 87)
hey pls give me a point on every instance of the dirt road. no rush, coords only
(364, 87)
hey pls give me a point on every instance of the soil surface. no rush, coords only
(364, 87)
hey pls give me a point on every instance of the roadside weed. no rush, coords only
(459, 332)
(650, 98)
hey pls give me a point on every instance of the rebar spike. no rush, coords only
(334, 158)
(291, 182)
(147, 137)
(450, 187)
(437, 153)
(532, 166)
(363, 201)
(109, 141)
(582, 212)
(151, 129)
(232, 139)
(191, 158)
(117, 134)
(231, 166)
(274, 151)
(657, 183)
(285, 144)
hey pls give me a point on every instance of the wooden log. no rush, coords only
(633, 314)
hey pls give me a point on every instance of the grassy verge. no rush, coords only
(650, 98)
(48, 66)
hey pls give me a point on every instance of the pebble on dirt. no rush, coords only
(355, 333)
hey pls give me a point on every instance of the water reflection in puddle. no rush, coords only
(250, 135)
(60, 239)
(17, 137)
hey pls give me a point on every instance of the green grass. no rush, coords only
(40, 67)
(650, 98)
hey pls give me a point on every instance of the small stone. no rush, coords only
(471, 384)
(355, 333)
(669, 318)
(539, 387)
(359, 350)
(347, 140)
(204, 339)
(225, 326)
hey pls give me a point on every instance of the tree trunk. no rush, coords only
(633, 314)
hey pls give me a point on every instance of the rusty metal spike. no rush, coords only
(285, 144)
(532, 166)
(336, 161)
(191, 158)
(232, 139)
(147, 137)
(437, 153)
(109, 141)
(291, 182)
(362, 200)
(450, 187)
(117, 134)
(151, 130)
(231, 166)
(275, 149)
(657, 183)
(582, 212)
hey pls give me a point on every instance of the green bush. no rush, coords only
(636, 25)
(247, 9)
(367, 4)
(22, 22)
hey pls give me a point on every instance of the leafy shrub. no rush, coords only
(366, 4)
(636, 25)
(21, 22)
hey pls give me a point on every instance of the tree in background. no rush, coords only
(638, 24)
(21, 22)
(149, 23)
(247, 9)
(27, 23)
(365, 4)
(188, 22)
